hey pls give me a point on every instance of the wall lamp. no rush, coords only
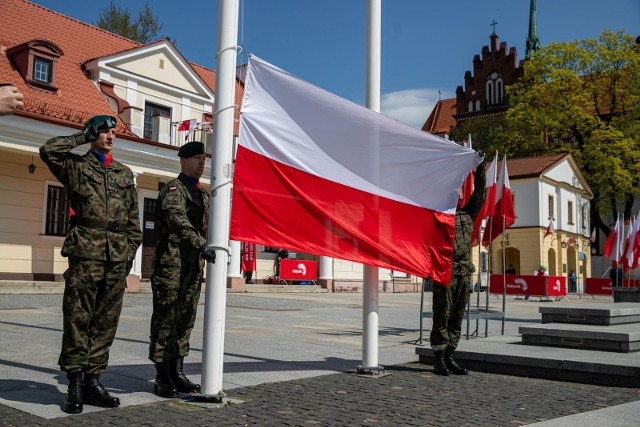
(31, 167)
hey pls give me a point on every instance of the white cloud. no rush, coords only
(411, 106)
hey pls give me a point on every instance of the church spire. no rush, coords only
(533, 42)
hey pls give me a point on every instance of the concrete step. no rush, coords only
(618, 338)
(596, 314)
(507, 356)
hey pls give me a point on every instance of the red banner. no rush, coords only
(517, 284)
(596, 286)
(248, 256)
(298, 269)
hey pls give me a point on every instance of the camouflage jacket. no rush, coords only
(465, 217)
(104, 199)
(182, 215)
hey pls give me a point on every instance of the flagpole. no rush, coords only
(370, 273)
(504, 277)
(220, 201)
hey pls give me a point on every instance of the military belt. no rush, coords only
(107, 225)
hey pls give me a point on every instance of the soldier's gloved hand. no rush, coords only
(481, 153)
(91, 132)
(129, 264)
(208, 253)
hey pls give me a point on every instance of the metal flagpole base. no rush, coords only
(371, 372)
(212, 398)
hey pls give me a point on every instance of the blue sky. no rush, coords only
(427, 45)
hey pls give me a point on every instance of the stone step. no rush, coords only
(618, 338)
(507, 356)
(595, 314)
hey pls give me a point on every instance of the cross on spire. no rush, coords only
(493, 24)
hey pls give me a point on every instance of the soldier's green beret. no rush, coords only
(191, 149)
(102, 122)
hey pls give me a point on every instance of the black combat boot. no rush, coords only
(439, 367)
(73, 401)
(180, 380)
(163, 386)
(451, 363)
(95, 394)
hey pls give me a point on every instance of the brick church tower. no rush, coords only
(484, 92)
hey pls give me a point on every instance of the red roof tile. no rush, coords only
(529, 167)
(77, 98)
(441, 118)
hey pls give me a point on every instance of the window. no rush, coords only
(470, 107)
(494, 89)
(583, 217)
(151, 111)
(57, 211)
(552, 211)
(489, 92)
(42, 70)
(270, 249)
(570, 212)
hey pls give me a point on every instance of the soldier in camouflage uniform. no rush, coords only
(449, 303)
(182, 212)
(101, 248)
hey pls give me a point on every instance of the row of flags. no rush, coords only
(498, 209)
(191, 124)
(621, 250)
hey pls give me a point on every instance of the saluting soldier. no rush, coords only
(182, 212)
(100, 247)
(449, 303)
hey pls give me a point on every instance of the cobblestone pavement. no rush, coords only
(411, 395)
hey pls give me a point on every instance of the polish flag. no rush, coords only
(488, 208)
(592, 239)
(188, 125)
(467, 187)
(636, 246)
(504, 215)
(629, 245)
(613, 246)
(550, 229)
(319, 174)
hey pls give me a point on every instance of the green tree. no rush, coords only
(583, 97)
(143, 29)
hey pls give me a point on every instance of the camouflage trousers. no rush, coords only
(449, 305)
(91, 309)
(176, 292)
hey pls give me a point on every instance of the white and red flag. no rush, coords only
(550, 229)
(188, 125)
(320, 174)
(489, 205)
(592, 239)
(629, 245)
(467, 187)
(504, 215)
(613, 246)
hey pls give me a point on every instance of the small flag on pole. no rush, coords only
(592, 239)
(188, 125)
(550, 229)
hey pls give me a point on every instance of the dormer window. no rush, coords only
(37, 61)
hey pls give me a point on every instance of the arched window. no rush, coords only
(477, 105)
(489, 91)
(499, 91)
(470, 107)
